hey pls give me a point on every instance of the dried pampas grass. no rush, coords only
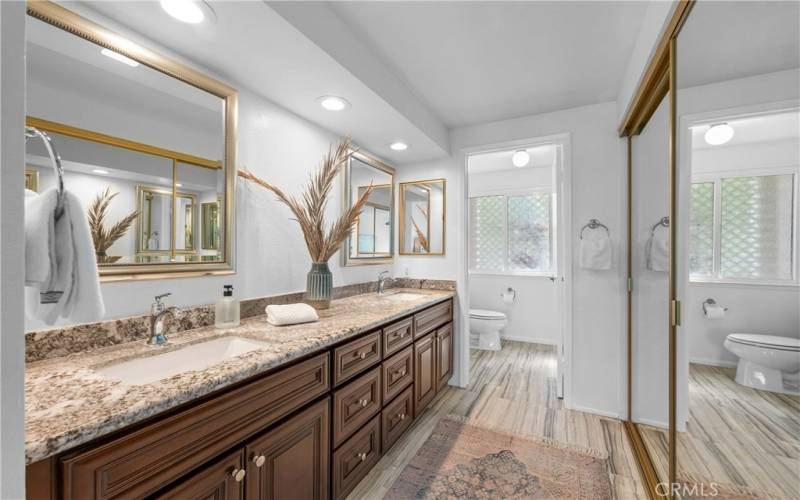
(309, 211)
(98, 210)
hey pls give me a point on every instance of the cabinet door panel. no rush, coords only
(398, 373)
(356, 356)
(424, 372)
(354, 459)
(432, 318)
(222, 480)
(444, 355)
(355, 403)
(396, 418)
(396, 336)
(293, 458)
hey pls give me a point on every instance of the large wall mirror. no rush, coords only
(152, 139)
(422, 217)
(372, 239)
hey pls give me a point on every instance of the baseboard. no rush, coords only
(713, 362)
(528, 340)
(651, 423)
(594, 411)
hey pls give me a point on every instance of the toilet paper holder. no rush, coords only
(510, 291)
(711, 302)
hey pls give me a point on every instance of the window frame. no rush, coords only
(716, 178)
(506, 193)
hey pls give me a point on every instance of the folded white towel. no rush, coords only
(74, 272)
(39, 236)
(290, 314)
(657, 251)
(595, 253)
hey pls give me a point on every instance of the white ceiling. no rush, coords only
(725, 40)
(475, 62)
(498, 161)
(754, 129)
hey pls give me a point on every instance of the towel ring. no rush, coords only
(594, 224)
(31, 132)
(664, 222)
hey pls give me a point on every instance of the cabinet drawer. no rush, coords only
(292, 460)
(432, 318)
(355, 403)
(356, 356)
(424, 372)
(397, 336)
(398, 373)
(223, 479)
(355, 458)
(145, 460)
(396, 418)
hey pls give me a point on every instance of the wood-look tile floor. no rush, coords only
(735, 435)
(513, 390)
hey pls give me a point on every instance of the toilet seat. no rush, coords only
(766, 341)
(486, 314)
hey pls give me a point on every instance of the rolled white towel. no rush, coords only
(290, 314)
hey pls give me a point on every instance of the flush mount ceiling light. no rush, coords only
(178, 184)
(100, 171)
(520, 158)
(398, 146)
(719, 134)
(188, 11)
(119, 57)
(333, 103)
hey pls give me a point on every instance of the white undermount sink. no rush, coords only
(193, 357)
(402, 296)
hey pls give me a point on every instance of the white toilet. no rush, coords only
(484, 328)
(764, 361)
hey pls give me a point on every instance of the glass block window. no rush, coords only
(756, 227)
(511, 233)
(701, 229)
(752, 235)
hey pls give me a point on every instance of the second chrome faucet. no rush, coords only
(158, 315)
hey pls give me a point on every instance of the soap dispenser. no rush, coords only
(226, 314)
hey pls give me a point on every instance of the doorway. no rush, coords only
(517, 261)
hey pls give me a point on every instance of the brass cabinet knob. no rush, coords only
(259, 460)
(238, 475)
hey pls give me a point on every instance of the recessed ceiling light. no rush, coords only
(719, 134)
(188, 11)
(119, 57)
(398, 146)
(178, 184)
(520, 158)
(100, 171)
(333, 103)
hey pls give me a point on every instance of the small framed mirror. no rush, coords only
(372, 239)
(210, 226)
(422, 217)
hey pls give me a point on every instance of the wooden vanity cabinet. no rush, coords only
(309, 430)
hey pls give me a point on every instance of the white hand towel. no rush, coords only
(75, 271)
(595, 253)
(290, 314)
(39, 236)
(657, 251)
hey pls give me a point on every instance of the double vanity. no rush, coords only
(257, 411)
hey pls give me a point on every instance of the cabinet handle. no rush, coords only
(363, 402)
(362, 456)
(238, 475)
(363, 355)
(400, 373)
(259, 460)
(401, 416)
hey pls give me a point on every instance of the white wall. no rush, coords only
(597, 180)
(12, 258)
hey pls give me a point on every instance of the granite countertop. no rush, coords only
(67, 403)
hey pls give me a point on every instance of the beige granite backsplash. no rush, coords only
(57, 342)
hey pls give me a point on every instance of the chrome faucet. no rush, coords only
(158, 313)
(382, 282)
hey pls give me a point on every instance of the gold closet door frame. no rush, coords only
(659, 81)
(62, 18)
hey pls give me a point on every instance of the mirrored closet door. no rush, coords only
(738, 126)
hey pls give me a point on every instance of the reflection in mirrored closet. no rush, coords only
(422, 217)
(738, 365)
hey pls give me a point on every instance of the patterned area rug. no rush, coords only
(460, 460)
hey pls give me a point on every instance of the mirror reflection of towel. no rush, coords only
(657, 251)
(595, 253)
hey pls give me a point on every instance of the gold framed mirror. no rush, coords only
(422, 217)
(372, 238)
(153, 122)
